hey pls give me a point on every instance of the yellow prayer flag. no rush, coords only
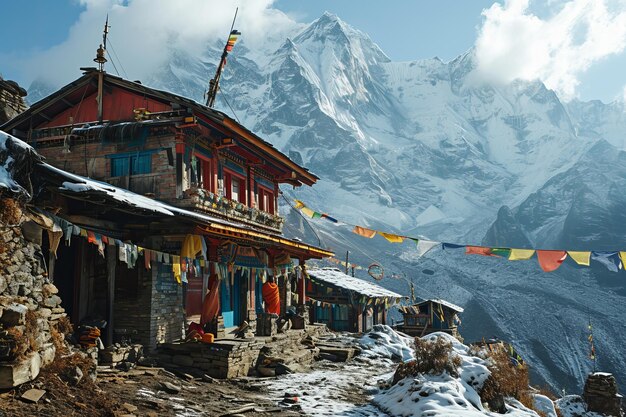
(581, 258)
(177, 272)
(308, 211)
(521, 254)
(622, 256)
(299, 204)
(362, 231)
(391, 237)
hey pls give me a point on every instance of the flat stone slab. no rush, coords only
(33, 395)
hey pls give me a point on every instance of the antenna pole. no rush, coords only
(100, 59)
(347, 257)
(215, 81)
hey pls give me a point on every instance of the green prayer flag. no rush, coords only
(504, 252)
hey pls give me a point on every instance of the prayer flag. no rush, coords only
(521, 254)
(299, 204)
(232, 39)
(504, 252)
(391, 237)
(609, 259)
(622, 256)
(424, 246)
(317, 215)
(362, 231)
(551, 260)
(452, 246)
(310, 213)
(581, 258)
(478, 250)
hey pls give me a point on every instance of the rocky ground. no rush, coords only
(329, 388)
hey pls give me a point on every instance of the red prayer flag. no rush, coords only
(551, 260)
(478, 250)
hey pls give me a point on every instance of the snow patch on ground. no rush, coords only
(574, 406)
(444, 394)
(382, 341)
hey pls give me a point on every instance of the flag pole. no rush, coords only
(215, 81)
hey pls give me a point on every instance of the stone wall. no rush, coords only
(154, 314)
(231, 358)
(11, 100)
(29, 304)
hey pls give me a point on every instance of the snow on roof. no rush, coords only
(13, 153)
(79, 184)
(443, 303)
(337, 278)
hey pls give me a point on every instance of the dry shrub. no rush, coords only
(25, 337)
(32, 330)
(18, 349)
(64, 365)
(547, 392)
(10, 212)
(59, 331)
(432, 356)
(506, 380)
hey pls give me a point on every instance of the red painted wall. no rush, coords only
(116, 105)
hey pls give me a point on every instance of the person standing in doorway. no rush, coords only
(271, 296)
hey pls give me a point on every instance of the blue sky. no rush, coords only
(404, 29)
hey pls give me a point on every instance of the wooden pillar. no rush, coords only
(250, 197)
(276, 191)
(302, 284)
(179, 174)
(111, 256)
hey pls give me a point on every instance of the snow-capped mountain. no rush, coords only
(425, 148)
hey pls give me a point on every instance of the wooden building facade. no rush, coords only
(430, 316)
(346, 303)
(158, 170)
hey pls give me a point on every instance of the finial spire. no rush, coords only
(100, 58)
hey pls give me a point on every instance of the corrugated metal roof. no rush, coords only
(443, 303)
(335, 277)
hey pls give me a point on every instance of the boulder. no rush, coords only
(14, 315)
(14, 374)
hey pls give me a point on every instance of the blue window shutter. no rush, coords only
(141, 163)
(119, 166)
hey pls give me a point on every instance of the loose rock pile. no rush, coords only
(601, 394)
(29, 305)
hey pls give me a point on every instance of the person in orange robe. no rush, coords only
(271, 296)
(211, 303)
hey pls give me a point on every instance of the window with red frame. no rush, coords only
(235, 187)
(201, 173)
(266, 200)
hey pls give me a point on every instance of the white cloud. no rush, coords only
(514, 43)
(142, 31)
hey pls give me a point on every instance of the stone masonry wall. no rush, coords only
(231, 358)
(156, 314)
(29, 304)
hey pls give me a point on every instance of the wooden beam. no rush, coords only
(111, 257)
(85, 220)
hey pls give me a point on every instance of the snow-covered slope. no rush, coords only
(422, 148)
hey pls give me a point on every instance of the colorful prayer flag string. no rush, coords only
(549, 260)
